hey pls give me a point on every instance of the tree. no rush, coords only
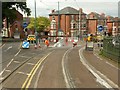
(41, 23)
(8, 10)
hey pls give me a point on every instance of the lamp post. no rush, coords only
(36, 34)
(58, 20)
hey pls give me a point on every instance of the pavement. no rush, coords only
(97, 53)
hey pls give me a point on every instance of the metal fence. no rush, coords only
(111, 48)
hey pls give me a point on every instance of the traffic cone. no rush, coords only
(35, 46)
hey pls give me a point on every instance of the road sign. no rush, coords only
(25, 44)
(25, 25)
(31, 37)
(100, 28)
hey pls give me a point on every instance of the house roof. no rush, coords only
(96, 16)
(66, 10)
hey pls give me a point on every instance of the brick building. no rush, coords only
(113, 25)
(94, 20)
(16, 26)
(72, 22)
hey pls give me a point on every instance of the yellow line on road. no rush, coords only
(33, 71)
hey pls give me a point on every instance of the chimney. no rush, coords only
(108, 18)
(102, 14)
(53, 10)
(80, 10)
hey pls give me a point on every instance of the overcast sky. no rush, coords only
(44, 7)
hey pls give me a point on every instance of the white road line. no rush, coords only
(6, 67)
(20, 45)
(106, 62)
(24, 56)
(112, 65)
(8, 70)
(36, 83)
(18, 52)
(23, 73)
(30, 63)
(66, 76)
(1, 78)
(16, 62)
(10, 62)
(63, 69)
(8, 49)
(2, 45)
(94, 71)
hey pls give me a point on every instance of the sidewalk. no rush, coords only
(97, 53)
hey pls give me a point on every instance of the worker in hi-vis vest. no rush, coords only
(46, 42)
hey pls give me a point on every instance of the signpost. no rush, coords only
(25, 25)
(100, 28)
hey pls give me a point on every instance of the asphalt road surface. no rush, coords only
(56, 67)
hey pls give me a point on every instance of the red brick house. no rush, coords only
(113, 25)
(75, 22)
(72, 22)
(17, 25)
(94, 20)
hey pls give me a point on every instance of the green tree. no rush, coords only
(9, 8)
(41, 23)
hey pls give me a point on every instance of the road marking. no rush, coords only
(20, 45)
(36, 83)
(95, 72)
(106, 62)
(2, 45)
(16, 61)
(8, 49)
(1, 78)
(67, 78)
(2, 71)
(10, 62)
(112, 65)
(23, 73)
(24, 56)
(30, 64)
(18, 52)
(8, 70)
(6, 67)
(27, 82)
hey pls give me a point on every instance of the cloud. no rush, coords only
(45, 6)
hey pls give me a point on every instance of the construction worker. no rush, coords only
(89, 38)
(46, 42)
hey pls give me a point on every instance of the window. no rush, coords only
(53, 24)
(74, 26)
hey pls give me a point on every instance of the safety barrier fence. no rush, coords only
(111, 48)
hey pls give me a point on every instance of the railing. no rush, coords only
(111, 48)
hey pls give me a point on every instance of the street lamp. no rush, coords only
(58, 20)
(36, 34)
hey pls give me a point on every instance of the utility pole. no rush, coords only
(58, 20)
(79, 25)
(35, 23)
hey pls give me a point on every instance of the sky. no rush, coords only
(44, 7)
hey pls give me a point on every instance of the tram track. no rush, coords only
(3, 81)
(67, 77)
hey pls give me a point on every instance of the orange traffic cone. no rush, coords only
(35, 46)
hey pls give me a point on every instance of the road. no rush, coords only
(56, 67)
